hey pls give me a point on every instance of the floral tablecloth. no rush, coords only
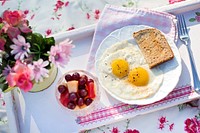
(51, 17)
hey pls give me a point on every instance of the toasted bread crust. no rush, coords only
(154, 46)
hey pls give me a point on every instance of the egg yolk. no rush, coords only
(138, 76)
(120, 68)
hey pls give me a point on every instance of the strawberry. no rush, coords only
(91, 90)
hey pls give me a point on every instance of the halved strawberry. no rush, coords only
(64, 98)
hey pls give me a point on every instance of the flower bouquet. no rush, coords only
(26, 57)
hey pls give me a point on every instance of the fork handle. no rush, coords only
(194, 71)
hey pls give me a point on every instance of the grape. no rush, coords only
(73, 97)
(80, 101)
(81, 87)
(88, 101)
(82, 81)
(68, 77)
(83, 93)
(90, 80)
(62, 88)
(71, 105)
(84, 77)
(75, 76)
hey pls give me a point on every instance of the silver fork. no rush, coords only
(183, 35)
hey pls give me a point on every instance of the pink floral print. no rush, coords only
(195, 18)
(71, 28)
(192, 125)
(48, 32)
(131, 131)
(97, 14)
(58, 6)
(163, 122)
(174, 1)
(3, 2)
(115, 130)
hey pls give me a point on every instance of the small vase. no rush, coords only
(37, 87)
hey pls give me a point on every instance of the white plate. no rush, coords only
(171, 69)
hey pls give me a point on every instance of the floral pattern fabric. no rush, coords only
(51, 17)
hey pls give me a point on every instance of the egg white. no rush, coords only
(121, 87)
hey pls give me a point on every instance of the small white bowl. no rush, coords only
(87, 109)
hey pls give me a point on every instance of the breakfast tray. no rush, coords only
(40, 112)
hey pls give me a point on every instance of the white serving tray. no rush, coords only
(40, 112)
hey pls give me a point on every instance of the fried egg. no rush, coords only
(123, 70)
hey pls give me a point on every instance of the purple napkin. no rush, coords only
(114, 17)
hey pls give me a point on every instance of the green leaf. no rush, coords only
(1, 26)
(49, 41)
(192, 19)
(197, 13)
(130, 4)
(37, 46)
(4, 87)
(37, 38)
(29, 38)
(2, 79)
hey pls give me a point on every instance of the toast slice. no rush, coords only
(154, 46)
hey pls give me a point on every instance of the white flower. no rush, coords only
(20, 47)
(39, 72)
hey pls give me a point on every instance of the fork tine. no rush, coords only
(184, 25)
(179, 25)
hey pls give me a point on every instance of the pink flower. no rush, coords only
(2, 43)
(66, 46)
(13, 18)
(132, 131)
(20, 76)
(38, 70)
(13, 32)
(59, 54)
(20, 48)
(24, 82)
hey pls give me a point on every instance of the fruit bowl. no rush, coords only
(77, 91)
